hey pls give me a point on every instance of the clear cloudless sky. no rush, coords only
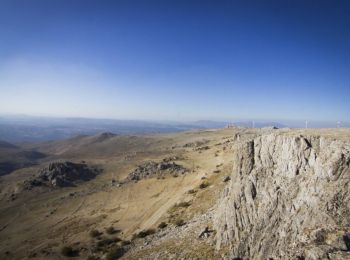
(176, 60)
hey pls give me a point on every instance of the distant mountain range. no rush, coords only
(17, 129)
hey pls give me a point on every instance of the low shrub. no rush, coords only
(162, 225)
(115, 253)
(111, 230)
(320, 236)
(145, 233)
(203, 185)
(192, 191)
(94, 233)
(67, 251)
(179, 222)
(183, 204)
(125, 242)
(108, 241)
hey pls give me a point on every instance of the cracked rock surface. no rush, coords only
(288, 198)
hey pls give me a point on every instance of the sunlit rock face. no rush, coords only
(288, 198)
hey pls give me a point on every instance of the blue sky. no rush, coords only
(176, 60)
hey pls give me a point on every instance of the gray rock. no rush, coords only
(289, 198)
(153, 169)
(63, 174)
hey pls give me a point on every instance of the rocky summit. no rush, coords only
(288, 198)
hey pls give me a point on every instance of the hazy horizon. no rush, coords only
(176, 60)
(287, 123)
(23, 128)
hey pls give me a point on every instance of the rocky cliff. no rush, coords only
(288, 198)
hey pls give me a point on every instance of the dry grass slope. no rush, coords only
(105, 216)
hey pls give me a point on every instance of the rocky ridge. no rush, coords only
(288, 198)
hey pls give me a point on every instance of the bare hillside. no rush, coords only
(244, 193)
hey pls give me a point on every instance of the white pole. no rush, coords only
(306, 122)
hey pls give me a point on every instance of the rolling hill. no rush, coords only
(188, 195)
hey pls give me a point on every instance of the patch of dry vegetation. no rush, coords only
(178, 249)
(204, 185)
(95, 233)
(144, 233)
(162, 225)
(68, 251)
(115, 253)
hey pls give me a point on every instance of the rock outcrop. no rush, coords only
(154, 169)
(288, 198)
(196, 144)
(63, 174)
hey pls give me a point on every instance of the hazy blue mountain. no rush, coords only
(33, 129)
(17, 129)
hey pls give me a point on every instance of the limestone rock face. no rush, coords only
(288, 198)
